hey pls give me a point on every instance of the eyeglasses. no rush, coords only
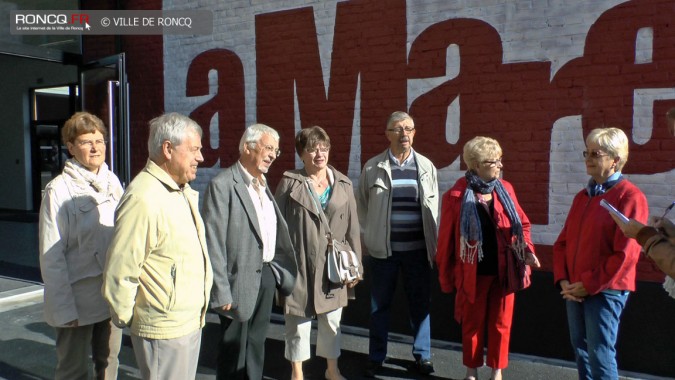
(400, 130)
(494, 163)
(90, 143)
(320, 149)
(594, 154)
(268, 149)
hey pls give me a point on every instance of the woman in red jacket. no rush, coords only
(593, 262)
(482, 223)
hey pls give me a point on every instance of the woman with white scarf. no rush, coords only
(482, 223)
(75, 228)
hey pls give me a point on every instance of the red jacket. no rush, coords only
(592, 249)
(453, 274)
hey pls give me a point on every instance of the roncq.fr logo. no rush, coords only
(51, 19)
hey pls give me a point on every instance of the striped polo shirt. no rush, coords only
(407, 233)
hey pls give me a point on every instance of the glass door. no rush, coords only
(50, 108)
(105, 93)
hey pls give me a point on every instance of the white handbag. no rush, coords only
(343, 264)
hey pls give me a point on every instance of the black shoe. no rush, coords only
(372, 368)
(424, 366)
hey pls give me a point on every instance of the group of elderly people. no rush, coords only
(151, 269)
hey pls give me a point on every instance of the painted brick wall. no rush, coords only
(536, 75)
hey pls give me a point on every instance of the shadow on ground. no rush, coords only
(352, 364)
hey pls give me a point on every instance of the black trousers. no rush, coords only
(241, 350)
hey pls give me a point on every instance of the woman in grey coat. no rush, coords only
(300, 194)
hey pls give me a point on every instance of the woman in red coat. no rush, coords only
(482, 223)
(593, 262)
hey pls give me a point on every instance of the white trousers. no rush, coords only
(298, 331)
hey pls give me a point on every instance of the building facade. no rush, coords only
(537, 75)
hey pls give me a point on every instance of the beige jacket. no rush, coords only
(313, 294)
(158, 275)
(374, 204)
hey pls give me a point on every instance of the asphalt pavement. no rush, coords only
(27, 342)
(27, 349)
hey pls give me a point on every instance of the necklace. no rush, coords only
(318, 182)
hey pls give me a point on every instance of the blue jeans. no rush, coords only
(417, 284)
(594, 326)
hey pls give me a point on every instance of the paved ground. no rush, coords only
(27, 349)
(27, 342)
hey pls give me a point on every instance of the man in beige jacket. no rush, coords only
(158, 275)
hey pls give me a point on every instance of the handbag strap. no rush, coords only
(319, 210)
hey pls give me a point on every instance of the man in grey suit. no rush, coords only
(251, 253)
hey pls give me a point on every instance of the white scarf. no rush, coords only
(98, 185)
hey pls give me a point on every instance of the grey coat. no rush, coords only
(313, 294)
(235, 245)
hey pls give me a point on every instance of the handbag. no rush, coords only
(517, 276)
(517, 273)
(342, 263)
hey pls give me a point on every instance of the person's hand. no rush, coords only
(573, 292)
(116, 320)
(664, 225)
(532, 260)
(629, 229)
(353, 283)
(226, 307)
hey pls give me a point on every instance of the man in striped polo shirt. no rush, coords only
(398, 210)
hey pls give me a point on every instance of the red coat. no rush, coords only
(592, 249)
(453, 274)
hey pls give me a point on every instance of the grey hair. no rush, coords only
(170, 127)
(614, 141)
(254, 132)
(398, 116)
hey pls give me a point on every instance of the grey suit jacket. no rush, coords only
(235, 245)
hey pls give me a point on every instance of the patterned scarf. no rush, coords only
(594, 188)
(98, 185)
(470, 231)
